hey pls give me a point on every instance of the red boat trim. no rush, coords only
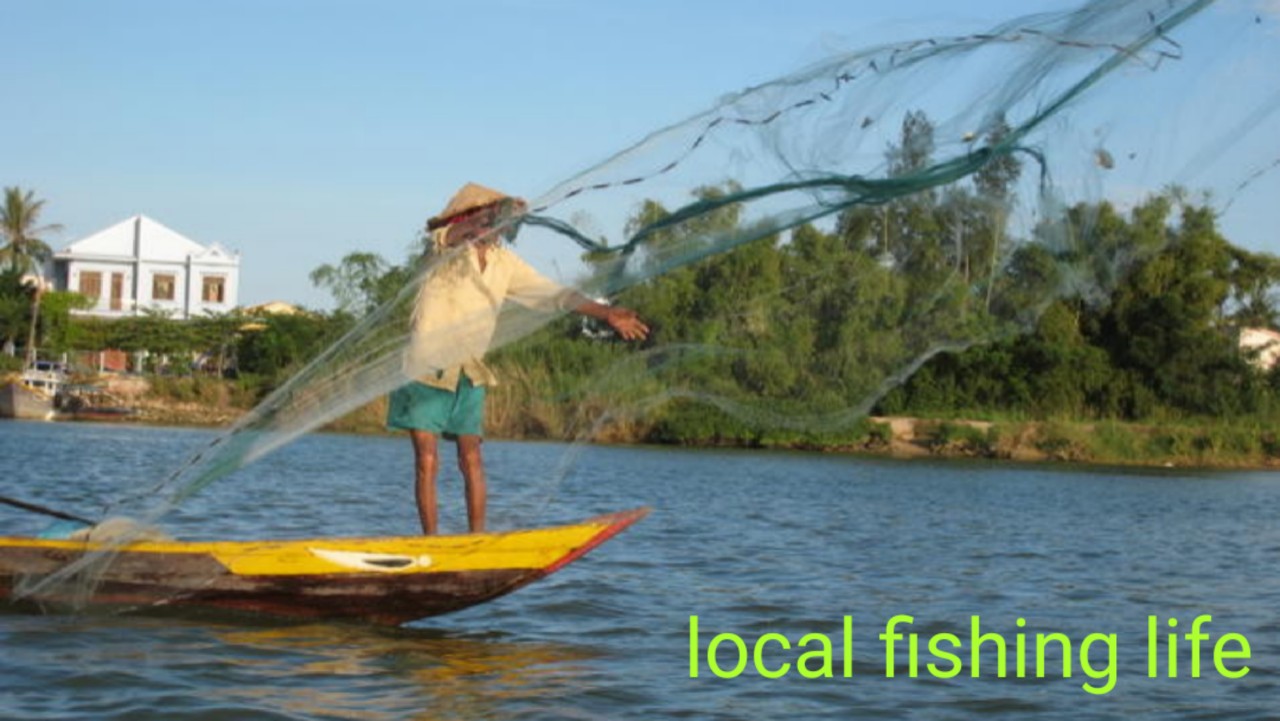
(618, 522)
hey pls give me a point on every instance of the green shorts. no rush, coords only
(420, 407)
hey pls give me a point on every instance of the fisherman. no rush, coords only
(453, 324)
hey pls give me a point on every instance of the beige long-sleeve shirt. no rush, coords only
(457, 313)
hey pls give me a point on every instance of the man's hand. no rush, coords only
(623, 321)
(626, 323)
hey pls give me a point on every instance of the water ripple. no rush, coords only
(786, 544)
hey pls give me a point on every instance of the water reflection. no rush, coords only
(311, 671)
(355, 672)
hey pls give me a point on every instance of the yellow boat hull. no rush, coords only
(381, 580)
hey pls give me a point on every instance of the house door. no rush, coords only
(117, 291)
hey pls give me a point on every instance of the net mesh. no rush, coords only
(887, 204)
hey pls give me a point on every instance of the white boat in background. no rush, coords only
(19, 401)
(32, 395)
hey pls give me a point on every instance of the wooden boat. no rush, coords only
(81, 402)
(380, 580)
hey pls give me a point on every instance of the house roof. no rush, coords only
(274, 307)
(144, 238)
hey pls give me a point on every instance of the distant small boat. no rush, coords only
(32, 395)
(79, 402)
(377, 580)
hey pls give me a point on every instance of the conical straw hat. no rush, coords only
(472, 196)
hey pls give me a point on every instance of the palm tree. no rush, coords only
(23, 249)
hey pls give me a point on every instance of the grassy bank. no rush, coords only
(1222, 443)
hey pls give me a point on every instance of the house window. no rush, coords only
(117, 291)
(162, 287)
(214, 289)
(91, 284)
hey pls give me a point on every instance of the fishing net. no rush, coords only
(832, 230)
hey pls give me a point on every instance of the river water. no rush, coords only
(750, 543)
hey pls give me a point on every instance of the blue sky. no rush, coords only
(296, 131)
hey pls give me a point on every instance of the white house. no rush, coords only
(139, 264)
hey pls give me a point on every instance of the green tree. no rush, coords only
(909, 229)
(279, 343)
(1253, 281)
(356, 282)
(994, 182)
(23, 249)
(1165, 328)
(215, 336)
(915, 151)
(15, 306)
(58, 329)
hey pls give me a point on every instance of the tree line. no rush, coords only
(772, 341)
(1135, 316)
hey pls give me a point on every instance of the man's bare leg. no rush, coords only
(471, 463)
(426, 464)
